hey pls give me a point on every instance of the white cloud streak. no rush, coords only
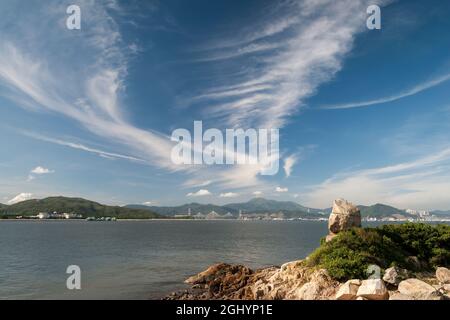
(408, 93)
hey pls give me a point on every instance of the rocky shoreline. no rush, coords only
(298, 280)
(294, 281)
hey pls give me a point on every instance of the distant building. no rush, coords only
(43, 215)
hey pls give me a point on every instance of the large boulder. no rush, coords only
(443, 275)
(418, 290)
(344, 216)
(373, 289)
(394, 275)
(349, 290)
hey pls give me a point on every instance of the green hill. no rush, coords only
(75, 205)
(381, 210)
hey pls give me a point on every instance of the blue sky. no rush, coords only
(363, 114)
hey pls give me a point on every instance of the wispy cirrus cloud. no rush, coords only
(87, 88)
(79, 146)
(404, 94)
(315, 36)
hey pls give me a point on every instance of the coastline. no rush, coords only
(390, 262)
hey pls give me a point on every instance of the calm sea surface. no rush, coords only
(138, 259)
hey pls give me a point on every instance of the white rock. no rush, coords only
(348, 290)
(373, 289)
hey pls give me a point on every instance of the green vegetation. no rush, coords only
(74, 205)
(349, 254)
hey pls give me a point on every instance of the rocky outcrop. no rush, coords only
(443, 275)
(344, 216)
(222, 280)
(295, 281)
(292, 281)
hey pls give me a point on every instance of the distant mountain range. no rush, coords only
(261, 205)
(290, 209)
(184, 209)
(74, 205)
(257, 205)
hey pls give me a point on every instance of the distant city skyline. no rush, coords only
(362, 114)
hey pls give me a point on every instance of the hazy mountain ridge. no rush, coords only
(290, 209)
(256, 205)
(381, 210)
(81, 206)
(184, 209)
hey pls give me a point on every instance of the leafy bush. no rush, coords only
(350, 253)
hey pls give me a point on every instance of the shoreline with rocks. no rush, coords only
(300, 280)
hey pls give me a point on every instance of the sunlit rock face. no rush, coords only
(344, 216)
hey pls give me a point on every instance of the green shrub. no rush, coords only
(350, 253)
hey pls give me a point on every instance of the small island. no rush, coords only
(391, 262)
